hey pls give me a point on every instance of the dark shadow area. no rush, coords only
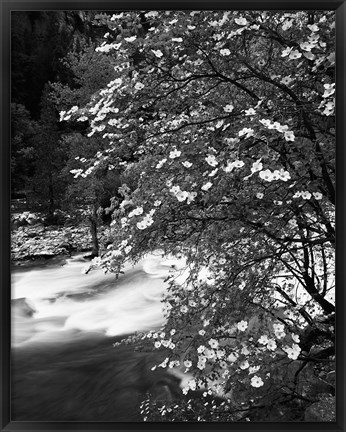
(84, 380)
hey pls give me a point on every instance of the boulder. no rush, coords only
(32, 219)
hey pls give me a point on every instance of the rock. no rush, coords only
(65, 245)
(45, 254)
(321, 411)
(15, 225)
(22, 307)
(21, 222)
(32, 234)
(32, 219)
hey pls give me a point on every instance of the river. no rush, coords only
(64, 325)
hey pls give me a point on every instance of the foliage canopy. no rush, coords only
(222, 125)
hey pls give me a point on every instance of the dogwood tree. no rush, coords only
(230, 118)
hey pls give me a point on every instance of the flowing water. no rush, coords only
(64, 325)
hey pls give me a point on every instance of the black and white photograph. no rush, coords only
(173, 216)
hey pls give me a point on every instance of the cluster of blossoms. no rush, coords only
(66, 115)
(139, 86)
(160, 340)
(256, 381)
(241, 21)
(136, 212)
(191, 385)
(228, 108)
(329, 89)
(287, 80)
(206, 186)
(327, 106)
(288, 135)
(269, 343)
(183, 195)
(279, 330)
(212, 353)
(106, 48)
(225, 52)
(250, 112)
(211, 160)
(95, 262)
(157, 53)
(127, 249)
(256, 166)
(80, 173)
(248, 132)
(174, 154)
(295, 338)
(146, 221)
(293, 351)
(161, 163)
(77, 172)
(242, 325)
(187, 164)
(231, 165)
(269, 175)
(307, 195)
(291, 53)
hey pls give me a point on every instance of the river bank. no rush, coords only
(40, 242)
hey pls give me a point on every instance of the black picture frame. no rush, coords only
(5, 10)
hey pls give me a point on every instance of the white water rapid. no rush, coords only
(67, 303)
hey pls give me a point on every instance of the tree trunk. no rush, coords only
(93, 230)
(50, 195)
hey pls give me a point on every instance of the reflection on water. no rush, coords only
(64, 324)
